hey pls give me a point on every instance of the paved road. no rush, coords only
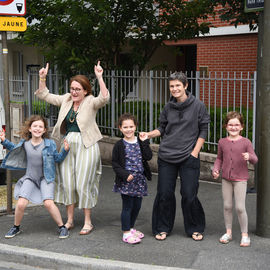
(179, 251)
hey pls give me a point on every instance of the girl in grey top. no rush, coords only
(37, 155)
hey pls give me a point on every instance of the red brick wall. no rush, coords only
(228, 53)
(224, 53)
(216, 21)
(233, 54)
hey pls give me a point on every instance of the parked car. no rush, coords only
(2, 150)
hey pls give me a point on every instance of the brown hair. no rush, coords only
(26, 134)
(127, 116)
(232, 115)
(83, 81)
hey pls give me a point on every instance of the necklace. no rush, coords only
(72, 116)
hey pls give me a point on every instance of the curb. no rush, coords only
(60, 261)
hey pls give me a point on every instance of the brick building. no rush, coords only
(226, 52)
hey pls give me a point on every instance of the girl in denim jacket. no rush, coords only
(37, 155)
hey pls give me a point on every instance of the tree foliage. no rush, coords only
(75, 34)
(233, 11)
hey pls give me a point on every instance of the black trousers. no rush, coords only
(165, 203)
(130, 209)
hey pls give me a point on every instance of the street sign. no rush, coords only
(13, 7)
(16, 24)
(254, 5)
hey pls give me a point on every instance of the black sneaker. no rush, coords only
(12, 232)
(63, 232)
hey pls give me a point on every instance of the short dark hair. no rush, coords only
(180, 76)
(127, 116)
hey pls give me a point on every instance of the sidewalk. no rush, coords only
(39, 245)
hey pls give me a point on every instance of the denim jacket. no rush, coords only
(16, 158)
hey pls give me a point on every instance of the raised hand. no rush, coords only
(44, 71)
(98, 70)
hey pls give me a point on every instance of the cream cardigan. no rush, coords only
(86, 117)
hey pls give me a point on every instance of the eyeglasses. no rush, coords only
(235, 125)
(76, 90)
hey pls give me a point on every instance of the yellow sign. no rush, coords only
(17, 24)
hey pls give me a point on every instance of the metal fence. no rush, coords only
(144, 94)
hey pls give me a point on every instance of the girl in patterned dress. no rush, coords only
(129, 162)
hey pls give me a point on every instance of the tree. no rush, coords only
(233, 11)
(74, 34)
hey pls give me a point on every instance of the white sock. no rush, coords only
(126, 235)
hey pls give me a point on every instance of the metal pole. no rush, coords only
(113, 102)
(263, 124)
(151, 100)
(7, 116)
(197, 85)
(29, 93)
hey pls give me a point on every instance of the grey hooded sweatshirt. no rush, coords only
(181, 124)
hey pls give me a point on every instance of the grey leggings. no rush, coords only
(238, 189)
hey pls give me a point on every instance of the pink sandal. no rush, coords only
(132, 239)
(137, 233)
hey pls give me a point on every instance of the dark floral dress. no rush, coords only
(138, 186)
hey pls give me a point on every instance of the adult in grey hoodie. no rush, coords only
(183, 128)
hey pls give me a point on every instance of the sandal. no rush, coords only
(225, 238)
(161, 236)
(197, 236)
(245, 241)
(85, 231)
(69, 225)
(137, 233)
(132, 239)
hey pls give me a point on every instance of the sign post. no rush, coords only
(7, 116)
(13, 8)
(262, 133)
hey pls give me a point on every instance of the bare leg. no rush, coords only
(70, 215)
(87, 218)
(19, 210)
(88, 227)
(54, 211)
